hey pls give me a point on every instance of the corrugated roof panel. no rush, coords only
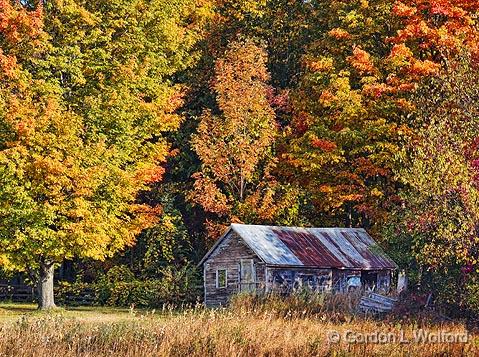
(266, 244)
(318, 247)
(306, 247)
(371, 251)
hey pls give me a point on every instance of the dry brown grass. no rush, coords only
(199, 332)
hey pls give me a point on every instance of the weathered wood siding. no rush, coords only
(228, 256)
(282, 279)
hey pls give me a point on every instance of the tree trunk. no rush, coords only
(45, 286)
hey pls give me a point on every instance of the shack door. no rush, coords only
(369, 279)
(247, 276)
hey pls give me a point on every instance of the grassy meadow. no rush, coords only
(238, 331)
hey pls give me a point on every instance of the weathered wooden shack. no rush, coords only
(261, 259)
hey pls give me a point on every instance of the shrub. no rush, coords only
(120, 288)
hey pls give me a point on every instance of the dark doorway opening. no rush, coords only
(369, 279)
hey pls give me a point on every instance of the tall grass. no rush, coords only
(239, 331)
(305, 304)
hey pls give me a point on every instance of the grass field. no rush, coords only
(198, 332)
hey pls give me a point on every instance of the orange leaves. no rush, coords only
(234, 145)
(376, 90)
(400, 54)
(323, 64)
(145, 217)
(339, 34)
(402, 59)
(326, 98)
(424, 68)
(361, 61)
(150, 174)
(402, 10)
(207, 194)
(16, 22)
(240, 80)
(8, 66)
(444, 25)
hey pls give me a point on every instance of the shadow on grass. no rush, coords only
(97, 309)
(8, 309)
(16, 308)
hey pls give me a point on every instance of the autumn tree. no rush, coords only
(435, 227)
(234, 142)
(86, 101)
(351, 111)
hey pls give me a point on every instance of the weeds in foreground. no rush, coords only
(328, 306)
(242, 330)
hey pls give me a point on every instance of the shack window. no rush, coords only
(221, 278)
(247, 271)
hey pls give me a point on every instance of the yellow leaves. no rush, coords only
(88, 97)
(376, 193)
(240, 9)
(6, 263)
(364, 4)
(321, 64)
(353, 19)
(400, 56)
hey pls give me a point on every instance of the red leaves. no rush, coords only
(302, 122)
(325, 145)
(368, 169)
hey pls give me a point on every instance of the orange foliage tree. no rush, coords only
(235, 143)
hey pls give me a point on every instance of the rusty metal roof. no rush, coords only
(313, 247)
